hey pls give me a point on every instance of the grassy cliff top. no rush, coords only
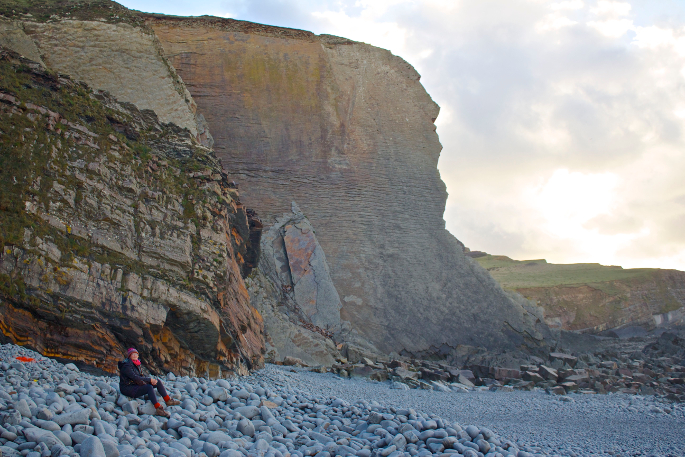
(85, 10)
(520, 274)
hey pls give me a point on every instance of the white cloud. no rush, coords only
(567, 200)
(612, 28)
(563, 122)
(367, 28)
(611, 8)
(568, 5)
(554, 21)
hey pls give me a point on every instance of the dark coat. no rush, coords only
(130, 375)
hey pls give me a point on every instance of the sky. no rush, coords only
(562, 122)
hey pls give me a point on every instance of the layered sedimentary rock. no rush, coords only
(592, 297)
(117, 230)
(119, 57)
(347, 131)
(344, 129)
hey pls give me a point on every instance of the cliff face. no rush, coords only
(106, 46)
(342, 128)
(347, 131)
(106, 243)
(593, 297)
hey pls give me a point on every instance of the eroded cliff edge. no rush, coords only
(117, 230)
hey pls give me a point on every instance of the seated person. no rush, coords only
(133, 384)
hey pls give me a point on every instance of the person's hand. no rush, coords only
(153, 381)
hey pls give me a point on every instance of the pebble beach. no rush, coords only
(51, 409)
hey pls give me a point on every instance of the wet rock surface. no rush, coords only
(288, 412)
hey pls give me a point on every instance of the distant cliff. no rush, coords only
(343, 129)
(591, 297)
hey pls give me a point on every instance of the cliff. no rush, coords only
(343, 129)
(591, 297)
(347, 131)
(117, 230)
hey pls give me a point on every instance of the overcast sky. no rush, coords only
(562, 122)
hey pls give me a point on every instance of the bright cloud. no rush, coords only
(612, 28)
(553, 22)
(563, 122)
(611, 8)
(569, 199)
(568, 5)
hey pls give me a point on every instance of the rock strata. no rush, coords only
(347, 131)
(343, 128)
(294, 292)
(107, 243)
(108, 47)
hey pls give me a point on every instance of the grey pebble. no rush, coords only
(212, 450)
(92, 447)
(246, 427)
(248, 411)
(23, 408)
(317, 414)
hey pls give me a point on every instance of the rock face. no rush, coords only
(296, 295)
(344, 129)
(347, 131)
(592, 297)
(118, 57)
(293, 258)
(106, 244)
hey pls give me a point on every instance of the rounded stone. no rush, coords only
(472, 431)
(92, 447)
(246, 427)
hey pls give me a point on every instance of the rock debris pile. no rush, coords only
(657, 369)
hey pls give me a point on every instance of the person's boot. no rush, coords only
(170, 402)
(160, 412)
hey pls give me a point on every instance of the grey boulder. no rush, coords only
(248, 411)
(23, 408)
(218, 394)
(110, 448)
(218, 437)
(246, 427)
(92, 447)
(212, 450)
(76, 417)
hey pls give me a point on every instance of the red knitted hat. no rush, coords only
(131, 351)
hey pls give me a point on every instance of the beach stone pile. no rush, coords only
(655, 370)
(48, 409)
